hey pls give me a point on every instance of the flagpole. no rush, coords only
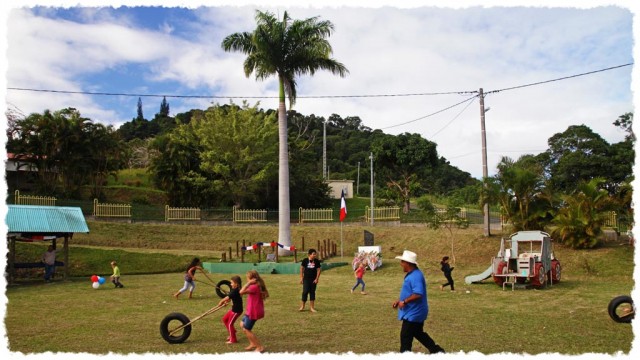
(341, 252)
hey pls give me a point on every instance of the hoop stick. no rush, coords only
(210, 311)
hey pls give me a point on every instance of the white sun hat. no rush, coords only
(408, 256)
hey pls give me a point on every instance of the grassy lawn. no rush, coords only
(567, 318)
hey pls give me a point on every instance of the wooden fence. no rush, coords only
(312, 215)
(111, 210)
(176, 213)
(388, 213)
(249, 215)
(33, 200)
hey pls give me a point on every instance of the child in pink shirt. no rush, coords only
(257, 292)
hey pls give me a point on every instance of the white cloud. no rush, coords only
(388, 51)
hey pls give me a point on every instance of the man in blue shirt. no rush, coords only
(412, 306)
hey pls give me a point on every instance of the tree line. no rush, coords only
(227, 155)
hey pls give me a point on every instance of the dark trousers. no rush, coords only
(308, 289)
(412, 330)
(449, 282)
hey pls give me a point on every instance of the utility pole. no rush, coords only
(324, 150)
(485, 172)
(371, 157)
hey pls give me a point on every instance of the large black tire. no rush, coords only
(223, 288)
(618, 315)
(166, 326)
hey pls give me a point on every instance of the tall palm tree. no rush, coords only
(285, 48)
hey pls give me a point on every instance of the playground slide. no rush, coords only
(477, 278)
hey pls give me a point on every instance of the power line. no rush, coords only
(558, 79)
(434, 113)
(452, 120)
(238, 97)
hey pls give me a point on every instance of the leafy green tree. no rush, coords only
(403, 159)
(285, 49)
(580, 220)
(625, 122)
(176, 169)
(577, 154)
(239, 151)
(67, 149)
(518, 189)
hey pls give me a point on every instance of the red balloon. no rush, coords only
(273, 244)
(94, 278)
(293, 248)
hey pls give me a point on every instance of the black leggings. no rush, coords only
(308, 289)
(449, 282)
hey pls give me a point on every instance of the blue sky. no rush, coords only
(171, 50)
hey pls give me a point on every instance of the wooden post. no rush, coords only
(237, 248)
(302, 244)
(230, 254)
(242, 254)
(259, 249)
(319, 250)
(325, 253)
(65, 248)
(295, 256)
(275, 250)
(223, 257)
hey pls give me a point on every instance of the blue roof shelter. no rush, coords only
(42, 223)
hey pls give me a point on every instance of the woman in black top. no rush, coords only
(309, 277)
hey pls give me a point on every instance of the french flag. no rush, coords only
(343, 207)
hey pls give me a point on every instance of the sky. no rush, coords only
(411, 68)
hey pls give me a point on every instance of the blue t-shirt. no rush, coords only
(416, 310)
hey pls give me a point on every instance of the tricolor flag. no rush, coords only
(343, 207)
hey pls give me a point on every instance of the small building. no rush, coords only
(42, 223)
(337, 186)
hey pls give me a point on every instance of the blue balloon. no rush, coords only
(101, 280)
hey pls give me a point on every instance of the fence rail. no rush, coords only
(249, 215)
(611, 220)
(462, 213)
(388, 213)
(312, 215)
(175, 213)
(33, 200)
(111, 210)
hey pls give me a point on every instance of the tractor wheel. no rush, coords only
(621, 309)
(539, 278)
(502, 269)
(223, 288)
(173, 321)
(556, 271)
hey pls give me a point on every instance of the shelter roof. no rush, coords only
(45, 219)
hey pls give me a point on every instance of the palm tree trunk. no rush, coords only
(284, 228)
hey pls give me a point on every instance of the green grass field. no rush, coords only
(567, 318)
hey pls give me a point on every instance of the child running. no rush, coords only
(257, 292)
(115, 278)
(189, 276)
(359, 273)
(236, 308)
(446, 269)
